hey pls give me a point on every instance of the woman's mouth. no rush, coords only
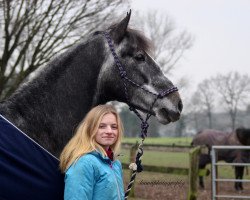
(108, 137)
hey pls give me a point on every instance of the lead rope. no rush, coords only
(137, 166)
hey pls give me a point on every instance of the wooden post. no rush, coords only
(193, 172)
(132, 160)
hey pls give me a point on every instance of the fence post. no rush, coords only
(132, 160)
(193, 172)
(214, 174)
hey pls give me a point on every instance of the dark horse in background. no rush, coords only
(210, 137)
(49, 106)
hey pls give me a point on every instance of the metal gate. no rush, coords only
(216, 164)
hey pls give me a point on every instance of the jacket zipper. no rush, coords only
(117, 186)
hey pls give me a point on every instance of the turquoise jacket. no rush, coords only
(94, 177)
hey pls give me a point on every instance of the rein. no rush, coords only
(136, 167)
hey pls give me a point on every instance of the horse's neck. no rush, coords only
(57, 100)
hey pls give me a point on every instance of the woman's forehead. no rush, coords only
(109, 118)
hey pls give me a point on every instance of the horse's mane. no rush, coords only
(60, 61)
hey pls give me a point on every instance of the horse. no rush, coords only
(209, 137)
(109, 65)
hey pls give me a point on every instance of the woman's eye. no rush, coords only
(114, 127)
(140, 57)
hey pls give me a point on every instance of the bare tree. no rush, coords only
(233, 89)
(193, 110)
(170, 43)
(206, 95)
(34, 31)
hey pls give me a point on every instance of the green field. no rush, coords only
(161, 140)
(169, 159)
(159, 158)
(164, 158)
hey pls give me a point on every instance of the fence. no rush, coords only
(154, 147)
(192, 171)
(215, 179)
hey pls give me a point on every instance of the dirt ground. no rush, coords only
(178, 191)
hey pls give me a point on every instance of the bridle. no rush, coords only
(126, 80)
(136, 167)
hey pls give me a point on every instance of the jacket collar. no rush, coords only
(98, 154)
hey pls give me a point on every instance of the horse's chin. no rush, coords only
(162, 117)
(166, 116)
(163, 121)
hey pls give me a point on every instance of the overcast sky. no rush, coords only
(221, 29)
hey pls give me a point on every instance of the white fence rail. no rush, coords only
(215, 180)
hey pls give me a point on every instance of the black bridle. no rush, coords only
(125, 80)
(137, 166)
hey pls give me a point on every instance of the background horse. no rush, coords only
(214, 137)
(49, 106)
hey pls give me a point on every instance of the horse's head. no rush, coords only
(139, 69)
(243, 135)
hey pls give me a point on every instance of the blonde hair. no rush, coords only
(84, 139)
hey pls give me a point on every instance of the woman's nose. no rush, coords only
(109, 129)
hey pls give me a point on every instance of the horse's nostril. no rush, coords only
(180, 106)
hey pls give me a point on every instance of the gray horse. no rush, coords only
(210, 137)
(49, 106)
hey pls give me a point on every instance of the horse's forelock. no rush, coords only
(141, 40)
(137, 37)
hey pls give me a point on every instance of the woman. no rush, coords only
(88, 160)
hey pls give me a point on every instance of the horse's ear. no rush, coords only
(120, 29)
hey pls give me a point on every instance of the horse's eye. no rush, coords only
(140, 57)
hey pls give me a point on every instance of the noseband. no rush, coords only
(126, 80)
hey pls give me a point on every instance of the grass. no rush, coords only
(159, 158)
(170, 159)
(161, 140)
(227, 172)
(166, 159)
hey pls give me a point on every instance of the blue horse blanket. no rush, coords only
(27, 170)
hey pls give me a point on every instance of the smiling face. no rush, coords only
(107, 132)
